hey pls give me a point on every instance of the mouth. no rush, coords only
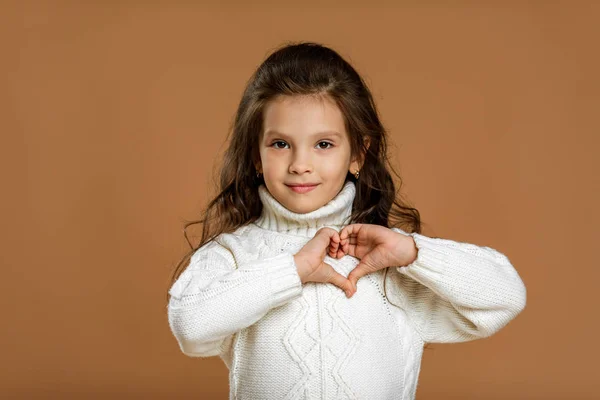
(302, 185)
(303, 188)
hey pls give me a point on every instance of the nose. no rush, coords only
(301, 163)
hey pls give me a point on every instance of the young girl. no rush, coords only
(302, 283)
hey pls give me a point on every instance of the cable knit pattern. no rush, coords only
(241, 298)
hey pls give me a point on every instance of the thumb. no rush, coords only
(358, 272)
(341, 281)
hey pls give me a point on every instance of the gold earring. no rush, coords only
(356, 174)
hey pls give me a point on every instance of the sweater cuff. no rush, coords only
(285, 281)
(430, 252)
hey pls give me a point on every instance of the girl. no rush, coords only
(305, 283)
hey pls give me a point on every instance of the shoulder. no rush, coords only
(211, 253)
(242, 245)
(243, 237)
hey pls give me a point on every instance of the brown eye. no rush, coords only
(279, 141)
(330, 145)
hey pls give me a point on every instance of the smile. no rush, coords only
(302, 189)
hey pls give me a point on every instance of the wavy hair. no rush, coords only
(304, 69)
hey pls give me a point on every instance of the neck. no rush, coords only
(335, 214)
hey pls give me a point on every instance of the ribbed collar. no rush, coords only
(335, 214)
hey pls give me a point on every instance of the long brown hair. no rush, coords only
(304, 69)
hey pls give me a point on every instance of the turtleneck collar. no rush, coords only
(335, 214)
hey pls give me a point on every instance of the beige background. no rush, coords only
(113, 114)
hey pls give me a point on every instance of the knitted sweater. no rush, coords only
(241, 298)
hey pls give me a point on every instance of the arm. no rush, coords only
(456, 292)
(214, 298)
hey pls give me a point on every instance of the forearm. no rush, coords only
(211, 305)
(459, 291)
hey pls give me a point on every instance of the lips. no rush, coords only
(303, 185)
(302, 188)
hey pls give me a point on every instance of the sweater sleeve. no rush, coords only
(456, 292)
(214, 297)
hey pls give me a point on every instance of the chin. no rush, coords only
(300, 207)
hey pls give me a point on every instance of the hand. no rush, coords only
(311, 266)
(377, 247)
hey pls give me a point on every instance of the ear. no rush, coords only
(357, 162)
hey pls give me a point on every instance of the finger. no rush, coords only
(334, 251)
(339, 251)
(348, 238)
(355, 275)
(334, 245)
(342, 282)
(325, 236)
(349, 248)
(349, 230)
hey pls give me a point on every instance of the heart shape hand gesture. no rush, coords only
(310, 260)
(376, 246)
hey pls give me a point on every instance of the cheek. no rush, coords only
(273, 165)
(332, 165)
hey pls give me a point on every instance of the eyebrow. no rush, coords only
(272, 132)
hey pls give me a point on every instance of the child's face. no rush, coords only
(294, 150)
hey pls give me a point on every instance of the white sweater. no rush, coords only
(241, 298)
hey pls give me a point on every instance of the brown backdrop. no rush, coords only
(112, 117)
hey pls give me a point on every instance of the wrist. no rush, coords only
(302, 267)
(406, 250)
